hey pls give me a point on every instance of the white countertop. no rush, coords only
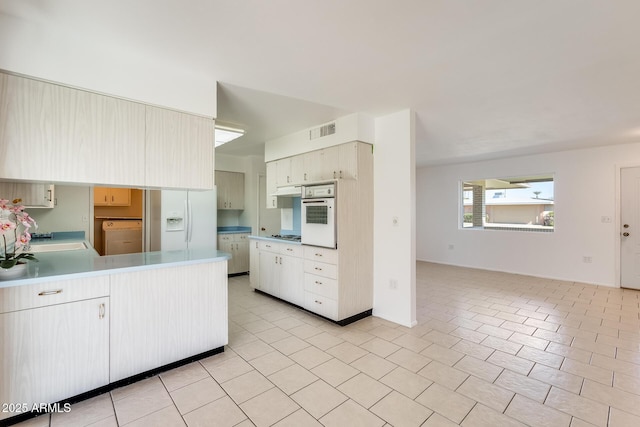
(77, 264)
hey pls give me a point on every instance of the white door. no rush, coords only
(630, 228)
(268, 219)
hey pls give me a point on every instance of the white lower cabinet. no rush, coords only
(254, 264)
(53, 352)
(237, 244)
(321, 281)
(281, 271)
(164, 315)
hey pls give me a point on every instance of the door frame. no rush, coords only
(617, 223)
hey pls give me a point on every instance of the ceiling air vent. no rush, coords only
(321, 131)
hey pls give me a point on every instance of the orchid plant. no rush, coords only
(15, 224)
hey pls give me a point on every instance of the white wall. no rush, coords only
(394, 197)
(32, 46)
(586, 189)
(72, 211)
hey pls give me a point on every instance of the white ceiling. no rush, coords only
(490, 78)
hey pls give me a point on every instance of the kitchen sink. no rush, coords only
(56, 247)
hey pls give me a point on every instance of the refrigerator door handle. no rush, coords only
(187, 225)
(190, 220)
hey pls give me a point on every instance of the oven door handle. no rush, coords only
(309, 202)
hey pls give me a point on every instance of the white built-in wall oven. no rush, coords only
(318, 222)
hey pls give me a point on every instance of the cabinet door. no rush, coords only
(32, 195)
(298, 169)
(235, 193)
(254, 264)
(242, 256)
(221, 189)
(292, 280)
(272, 185)
(71, 135)
(270, 273)
(120, 196)
(347, 160)
(179, 150)
(101, 196)
(229, 247)
(283, 172)
(163, 315)
(54, 352)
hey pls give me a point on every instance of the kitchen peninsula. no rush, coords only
(107, 321)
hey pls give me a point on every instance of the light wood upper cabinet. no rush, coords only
(32, 195)
(106, 196)
(55, 133)
(179, 150)
(230, 190)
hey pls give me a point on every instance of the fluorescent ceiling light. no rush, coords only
(224, 134)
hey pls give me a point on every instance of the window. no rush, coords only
(523, 203)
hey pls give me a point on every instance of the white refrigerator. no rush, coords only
(181, 219)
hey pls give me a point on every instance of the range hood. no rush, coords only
(288, 191)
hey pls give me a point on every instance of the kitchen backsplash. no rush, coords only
(291, 218)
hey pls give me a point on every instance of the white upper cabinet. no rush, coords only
(54, 133)
(32, 195)
(179, 150)
(230, 190)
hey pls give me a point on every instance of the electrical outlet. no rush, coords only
(85, 218)
(393, 284)
(605, 219)
(586, 259)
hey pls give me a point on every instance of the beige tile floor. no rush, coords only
(490, 349)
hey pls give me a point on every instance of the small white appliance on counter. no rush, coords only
(318, 222)
(182, 219)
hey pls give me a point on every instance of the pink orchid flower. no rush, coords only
(16, 209)
(3, 204)
(26, 220)
(6, 226)
(24, 239)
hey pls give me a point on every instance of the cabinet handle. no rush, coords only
(276, 260)
(268, 246)
(340, 174)
(318, 254)
(290, 250)
(101, 311)
(305, 176)
(318, 302)
(334, 174)
(50, 197)
(113, 198)
(318, 268)
(105, 199)
(318, 283)
(273, 202)
(288, 180)
(45, 293)
(229, 204)
(280, 260)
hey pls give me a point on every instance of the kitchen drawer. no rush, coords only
(233, 237)
(321, 305)
(321, 269)
(292, 250)
(321, 254)
(43, 294)
(321, 285)
(269, 246)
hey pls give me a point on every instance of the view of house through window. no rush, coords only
(518, 203)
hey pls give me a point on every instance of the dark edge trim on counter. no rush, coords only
(343, 322)
(112, 386)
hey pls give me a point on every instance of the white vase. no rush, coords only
(14, 272)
